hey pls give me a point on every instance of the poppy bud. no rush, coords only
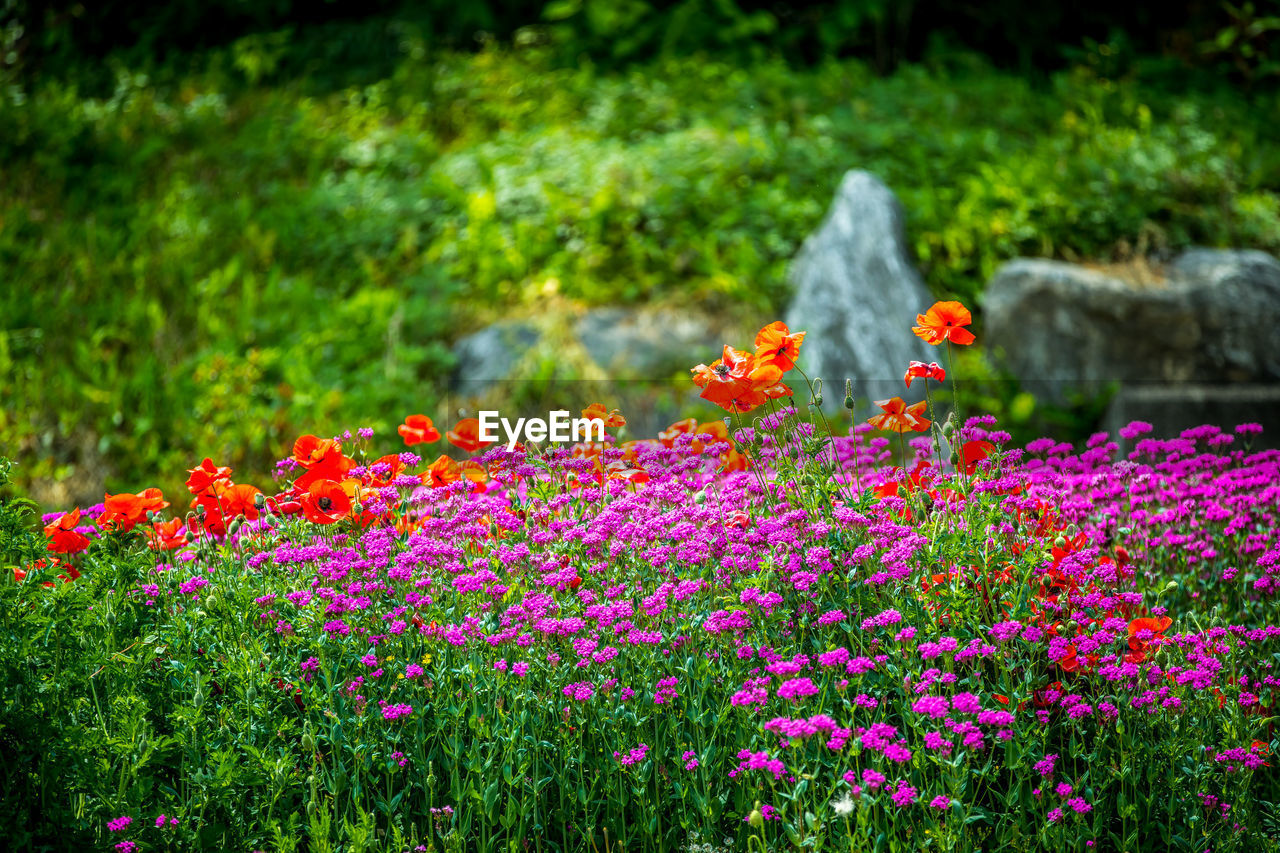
(259, 500)
(700, 497)
(1170, 586)
(234, 527)
(357, 508)
(1060, 542)
(817, 399)
(848, 394)
(756, 818)
(308, 741)
(200, 510)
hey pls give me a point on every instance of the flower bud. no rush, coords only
(234, 527)
(756, 818)
(848, 394)
(1170, 586)
(259, 500)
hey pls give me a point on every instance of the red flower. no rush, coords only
(323, 459)
(466, 435)
(205, 475)
(899, 417)
(325, 502)
(241, 499)
(945, 322)
(63, 538)
(973, 452)
(777, 346)
(442, 472)
(920, 370)
(124, 511)
(418, 429)
(167, 535)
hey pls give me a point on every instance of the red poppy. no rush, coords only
(418, 429)
(323, 459)
(466, 436)
(945, 321)
(310, 449)
(777, 346)
(124, 511)
(241, 499)
(920, 370)
(63, 538)
(973, 452)
(167, 535)
(622, 471)
(205, 475)
(898, 417)
(611, 418)
(325, 502)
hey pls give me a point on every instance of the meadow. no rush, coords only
(748, 633)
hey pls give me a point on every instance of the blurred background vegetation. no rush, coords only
(224, 223)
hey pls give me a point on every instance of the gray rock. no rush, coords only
(1062, 329)
(857, 294)
(491, 355)
(646, 344)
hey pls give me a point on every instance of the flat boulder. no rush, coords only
(1063, 329)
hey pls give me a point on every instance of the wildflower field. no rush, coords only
(747, 633)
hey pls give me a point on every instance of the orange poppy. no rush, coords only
(466, 436)
(205, 475)
(325, 502)
(898, 417)
(442, 472)
(733, 460)
(920, 370)
(418, 429)
(777, 346)
(612, 418)
(476, 473)
(945, 321)
(63, 538)
(669, 435)
(124, 511)
(736, 382)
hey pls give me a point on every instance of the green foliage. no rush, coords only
(199, 265)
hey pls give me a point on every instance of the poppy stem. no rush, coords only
(955, 407)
